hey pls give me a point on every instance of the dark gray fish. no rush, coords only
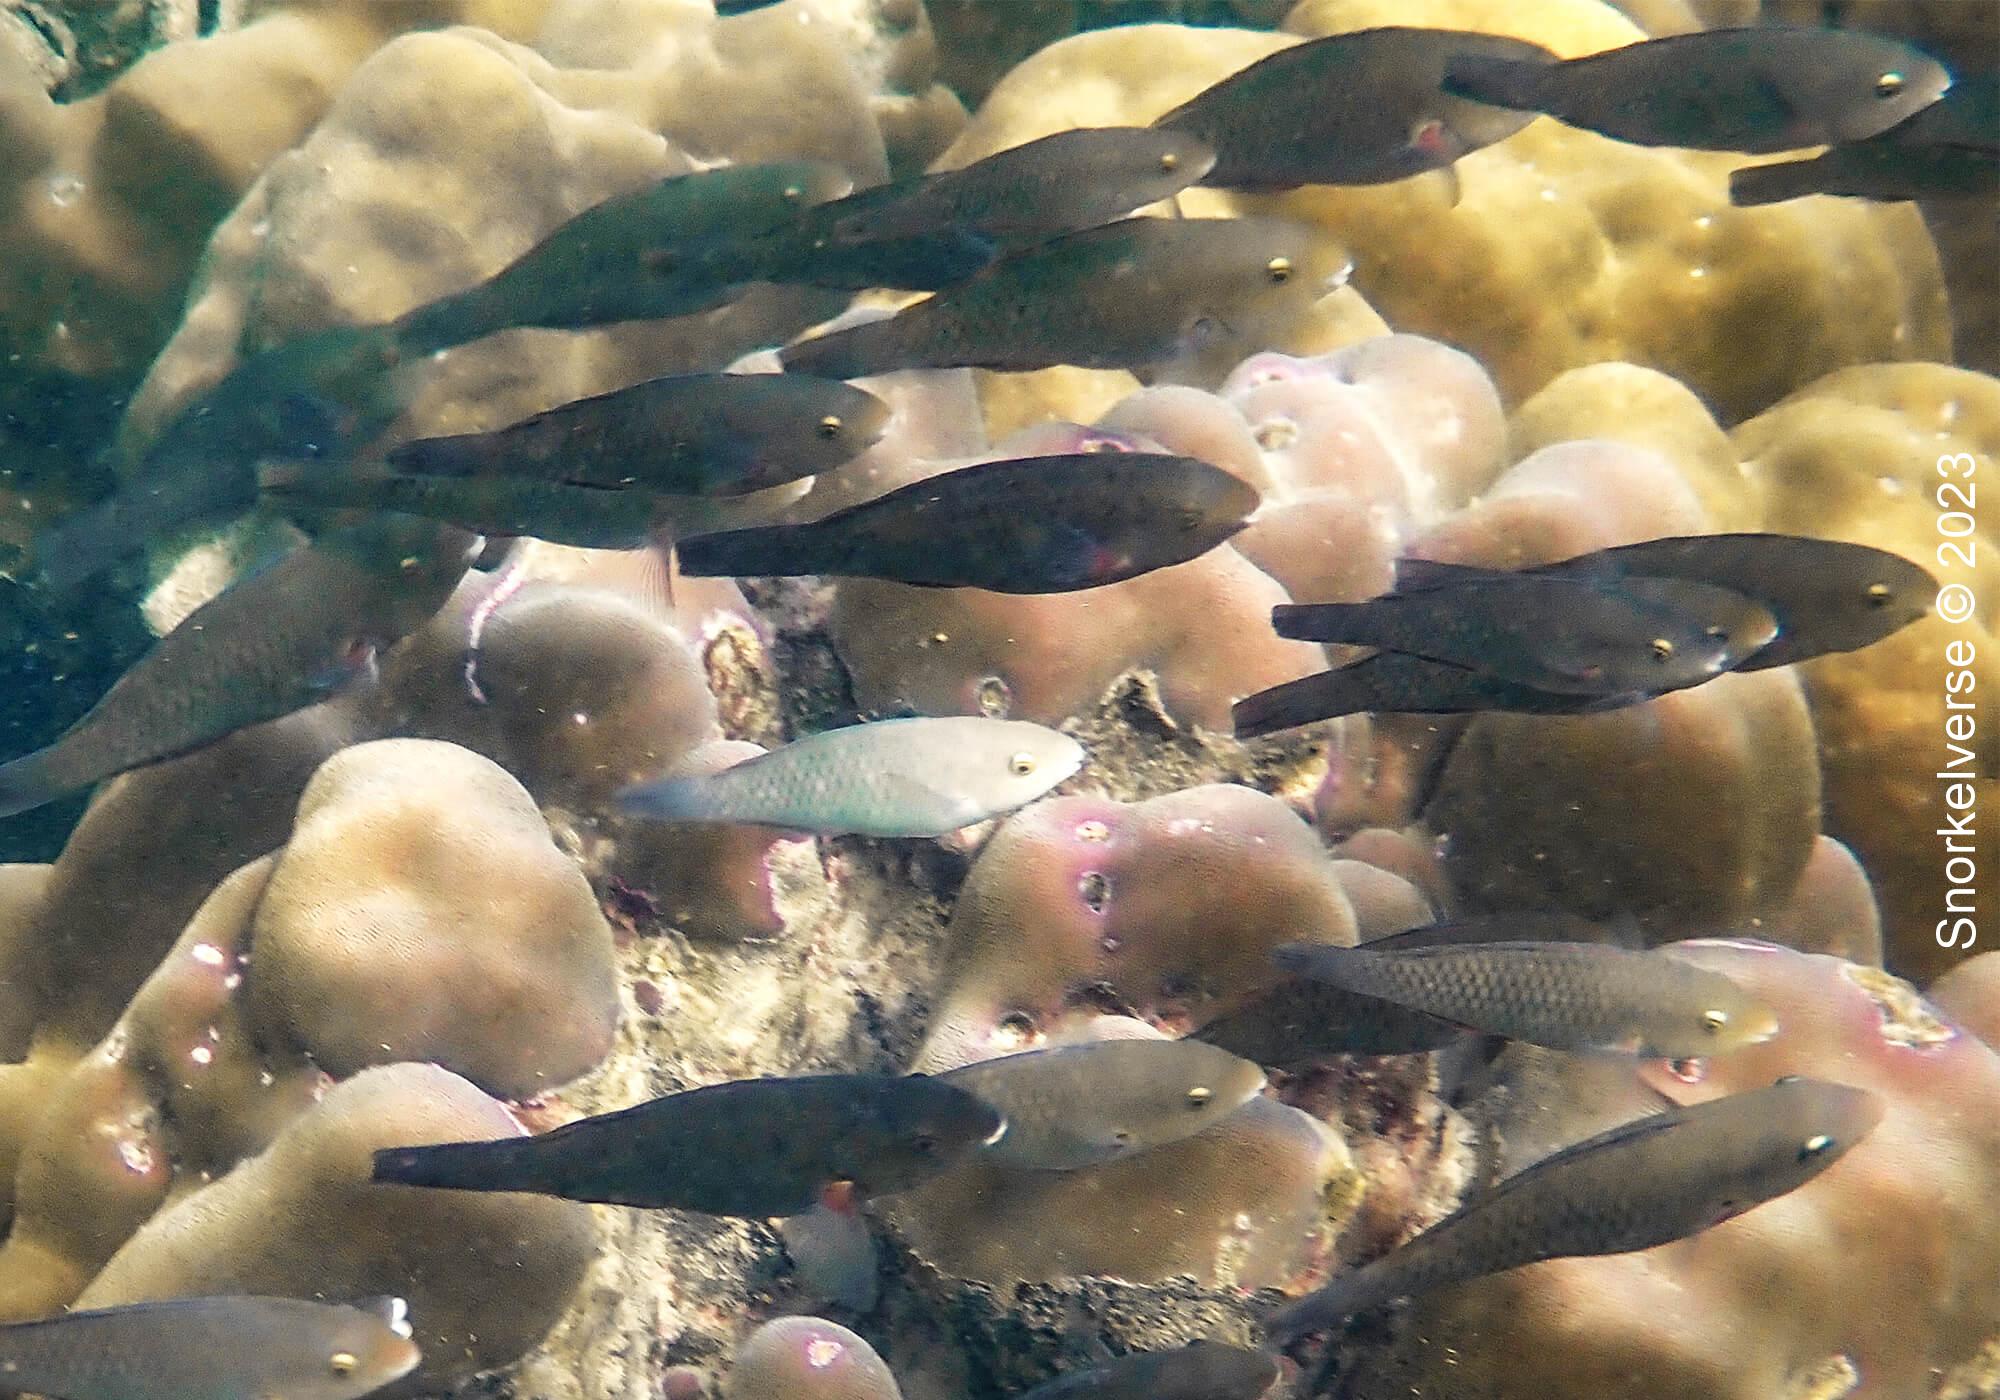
(274, 642)
(647, 255)
(1391, 683)
(685, 434)
(1135, 293)
(1198, 1371)
(587, 516)
(1027, 525)
(1757, 89)
(1554, 632)
(1875, 170)
(218, 1348)
(1827, 595)
(1639, 1185)
(1361, 108)
(1074, 1106)
(808, 255)
(1568, 996)
(315, 399)
(752, 1148)
(1967, 115)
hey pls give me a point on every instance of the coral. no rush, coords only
(302, 1218)
(809, 1358)
(1695, 1320)
(1564, 248)
(1971, 992)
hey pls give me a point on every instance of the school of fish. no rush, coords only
(1034, 257)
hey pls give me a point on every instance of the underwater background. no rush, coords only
(422, 906)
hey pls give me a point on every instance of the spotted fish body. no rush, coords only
(685, 434)
(895, 777)
(1639, 1185)
(1757, 89)
(1361, 108)
(1569, 996)
(275, 642)
(1028, 525)
(1128, 295)
(1199, 1371)
(1079, 1105)
(215, 1348)
(645, 255)
(1557, 633)
(753, 1148)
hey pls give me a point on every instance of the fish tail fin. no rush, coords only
(505, 1165)
(1315, 622)
(306, 485)
(1496, 81)
(70, 554)
(1771, 184)
(440, 456)
(842, 354)
(667, 800)
(30, 781)
(1321, 1310)
(1303, 701)
(755, 552)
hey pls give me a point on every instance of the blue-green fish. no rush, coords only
(274, 642)
(1569, 996)
(1074, 1106)
(895, 777)
(1360, 108)
(216, 1348)
(1756, 89)
(753, 1148)
(1641, 1184)
(1198, 1371)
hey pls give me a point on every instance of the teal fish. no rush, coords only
(1554, 632)
(1130, 295)
(1026, 525)
(1361, 108)
(218, 1348)
(1641, 1184)
(895, 777)
(585, 516)
(1825, 595)
(274, 642)
(647, 255)
(1756, 89)
(1569, 996)
(685, 434)
(753, 1148)
(1198, 1371)
(1078, 1105)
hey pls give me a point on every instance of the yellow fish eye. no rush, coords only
(1169, 161)
(1199, 1096)
(830, 426)
(1878, 594)
(1663, 650)
(1714, 1020)
(1889, 84)
(1279, 270)
(1021, 764)
(1816, 1145)
(344, 1363)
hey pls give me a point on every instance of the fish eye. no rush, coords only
(1714, 1019)
(1663, 650)
(1170, 160)
(1021, 764)
(1878, 595)
(1889, 84)
(1279, 270)
(830, 426)
(1818, 1145)
(343, 1363)
(1199, 1096)
(794, 193)
(924, 1144)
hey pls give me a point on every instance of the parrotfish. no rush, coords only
(895, 777)
(587, 516)
(1392, 683)
(1569, 996)
(1641, 1184)
(649, 254)
(1757, 89)
(1554, 632)
(316, 398)
(1026, 525)
(1078, 1105)
(1827, 595)
(752, 1148)
(1300, 1020)
(686, 434)
(1360, 108)
(1129, 295)
(277, 641)
(215, 1348)
(1198, 1371)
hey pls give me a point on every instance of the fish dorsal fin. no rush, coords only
(1636, 1130)
(1416, 574)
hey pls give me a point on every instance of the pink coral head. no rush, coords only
(809, 1358)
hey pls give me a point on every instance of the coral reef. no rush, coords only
(809, 1358)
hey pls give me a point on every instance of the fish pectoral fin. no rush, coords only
(918, 793)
